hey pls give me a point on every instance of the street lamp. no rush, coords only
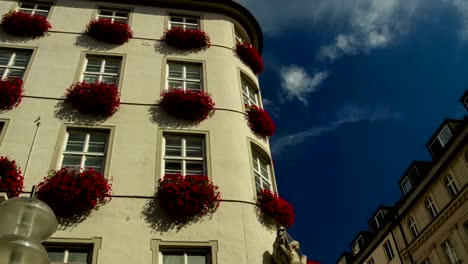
(25, 222)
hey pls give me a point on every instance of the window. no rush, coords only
(249, 93)
(440, 141)
(184, 155)
(101, 69)
(358, 245)
(413, 227)
(70, 254)
(450, 252)
(262, 172)
(388, 250)
(85, 149)
(185, 22)
(406, 185)
(426, 261)
(430, 207)
(240, 35)
(450, 185)
(35, 8)
(118, 15)
(185, 256)
(184, 76)
(370, 261)
(377, 221)
(13, 63)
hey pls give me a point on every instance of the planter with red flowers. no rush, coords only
(25, 25)
(250, 56)
(276, 207)
(11, 179)
(72, 193)
(260, 121)
(99, 99)
(11, 93)
(188, 105)
(189, 197)
(111, 32)
(186, 39)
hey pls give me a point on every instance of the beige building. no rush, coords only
(135, 139)
(430, 222)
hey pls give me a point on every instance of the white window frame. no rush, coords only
(450, 252)
(184, 78)
(249, 91)
(430, 207)
(407, 178)
(356, 246)
(67, 249)
(441, 139)
(6, 68)
(413, 227)
(186, 251)
(101, 74)
(388, 249)
(184, 22)
(114, 14)
(450, 186)
(379, 225)
(257, 159)
(184, 159)
(370, 261)
(35, 9)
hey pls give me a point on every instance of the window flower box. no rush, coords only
(276, 207)
(250, 56)
(99, 98)
(21, 24)
(73, 193)
(187, 39)
(10, 177)
(260, 121)
(188, 105)
(185, 198)
(111, 32)
(11, 93)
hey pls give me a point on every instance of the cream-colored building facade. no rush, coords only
(36, 133)
(430, 223)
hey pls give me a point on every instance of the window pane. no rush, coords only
(176, 19)
(191, 26)
(71, 161)
(21, 59)
(193, 72)
(194, 168)
(41, 13)
(75, 141)
(5, 57)
(93, 65)
(27, 5)
(191, 20)
(172, 167)
(173, 146)
(175, 70)
(56, 256)
(97, 143)
(197, 258)
(121, 20)
(90, 78)
(94, 163)
(121, 14)
(193, 86)
(105, 12)
(43, 7)
(194, 148)
(109, 79)
(112, 66)
(78, 257)
(445, 135)
(173, 258)
(13, 73)
(406, 184)
(176, 85)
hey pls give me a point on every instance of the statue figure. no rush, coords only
(285, 252)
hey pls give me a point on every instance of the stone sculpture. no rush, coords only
(285, 252)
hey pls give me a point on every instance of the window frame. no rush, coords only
(3, 127)
(407, 178)
(451, 186)
(51, 3)
(450, 252)
(246, 81)
(95, 243)
(13, 50)
(439, 140)
(388, 250)
(113, 9)
(184, 78)
(158, 245)
(370, 261)
(254, 147)
(183, 157)
(240, 35)
(413, 227)
(431, 207)
(101, 74)
(184, 17)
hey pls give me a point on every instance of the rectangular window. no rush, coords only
(85, 149)
(451, 186)
(430, 207)
(115, 15)
(358, 245)
(370, 261)
(101, 69)
(185, 256)
(59, 254)
(388, 250)
(412, 226)
(249, 93)
(262, 172)
(35, 8)
(13, 63)
(406, 185)
(450, 252)
(184, 155)
(185, 76)
(185, 22)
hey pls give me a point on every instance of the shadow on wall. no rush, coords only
(267, 258)
(88, 42)
(67, 113)
(8, 38)
(267, 221)
(161, 47)
(159, 116)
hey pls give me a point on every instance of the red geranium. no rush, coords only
(70, 192)
(276, 207)
(21, 24)
(107, 31)
(11, 93)
(100, 98)
(10, 177)
(186, 197)
(250, 56)
(187, 39)
(188, 105)
(260, 121)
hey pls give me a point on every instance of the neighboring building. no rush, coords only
(429, 224)
(130, 146)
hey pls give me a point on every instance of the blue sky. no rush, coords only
(356, 88)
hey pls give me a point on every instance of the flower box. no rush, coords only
(185, 198)
(11, 93)
(187, 39)
(276, 207)
(100, 98)
(21, 24)
(111, 32)
(260, 121)
(250, 56)
(71, 193)
(10, 177)
(188, 105)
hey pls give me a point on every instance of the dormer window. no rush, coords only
(406, 185)
(465, 102)
(377, 222)
(440, 141)
(358, 245)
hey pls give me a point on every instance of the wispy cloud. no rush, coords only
(462, 7)
(297, 83)
(349, 113)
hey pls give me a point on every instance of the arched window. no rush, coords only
(451, 186)
(413, 227)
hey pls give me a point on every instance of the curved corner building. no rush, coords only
(132, 147)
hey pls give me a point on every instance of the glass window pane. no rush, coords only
(121, 14)
(109, 79)
(71, 161)
(90, 78)
(194, 168)
(173, 258)
(94, 163)
(172, 167)
(97, 143)
(191, 20)
(176, 84)
(175, 70)
(445, 135)
(75, 141)
(42, 13)
(121, 20)
(27, 5)
(93, 65)
(13, 73)
(173, 146)
(105, 12)
(43, 7)
(193, 86)
(176, 19)
(56, 256)
(78, 257)
(193, 72)
(191, 26)
(5, 57)
(21, 59)
(112, 66)
(197, 258)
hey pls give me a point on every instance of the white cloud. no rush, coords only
(462, 8)
(349, 113)
(297, 83)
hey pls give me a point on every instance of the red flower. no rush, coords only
(107, 31)
(260, 121)
(98, 98)
(187, 197)
(11, 93)
(188, 105)
(276, 207)
(70, 192)
(187, 39)
(21, 24)
(10, 177)
(250, 56)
